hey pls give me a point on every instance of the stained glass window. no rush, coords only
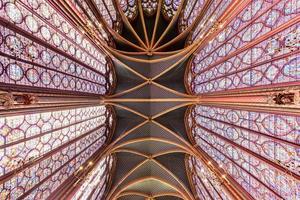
(92, 21)
(110, 13)
(149, 6)
(41, 49)
(96, 181)
(39, 151)
(106, 8)
(259, 150)
(170, 7)
(130, 8)
(209, 20)
(203, 181)
(189, 13)
(257, 48)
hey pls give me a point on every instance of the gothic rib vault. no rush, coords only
(150, 86)
(149, 99)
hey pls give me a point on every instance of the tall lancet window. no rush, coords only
(109, 12)
(189, 13)
(97, 181)
(41, 50)
(39, 151)
(169, 8)
(210, 20)
(130, 8)
(204, 182)
(259, 47)
(259, 150)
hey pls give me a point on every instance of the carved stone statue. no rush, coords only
(7, 100)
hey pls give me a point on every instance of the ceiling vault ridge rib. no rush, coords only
(91, 3)
(128, 193)
(128, 90)
(175, 177)
(155, 25)
(161, 166)
(117, 100)
(132, 70)
(143, 24)
(174, 19)
(147, 139)
(158, 181)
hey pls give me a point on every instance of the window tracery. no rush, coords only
(206, 184)
(189, 13)
(40, 151)
(251, 146)
(92, 23)
(149, 6)
(210, 19)
(130, 8)
(110, 14)
(169, 8)
(56, 56)
(96, 181)
(238, 58)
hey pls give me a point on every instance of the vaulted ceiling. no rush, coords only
(149, 99)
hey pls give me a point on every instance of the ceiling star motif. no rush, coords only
(149, 99)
